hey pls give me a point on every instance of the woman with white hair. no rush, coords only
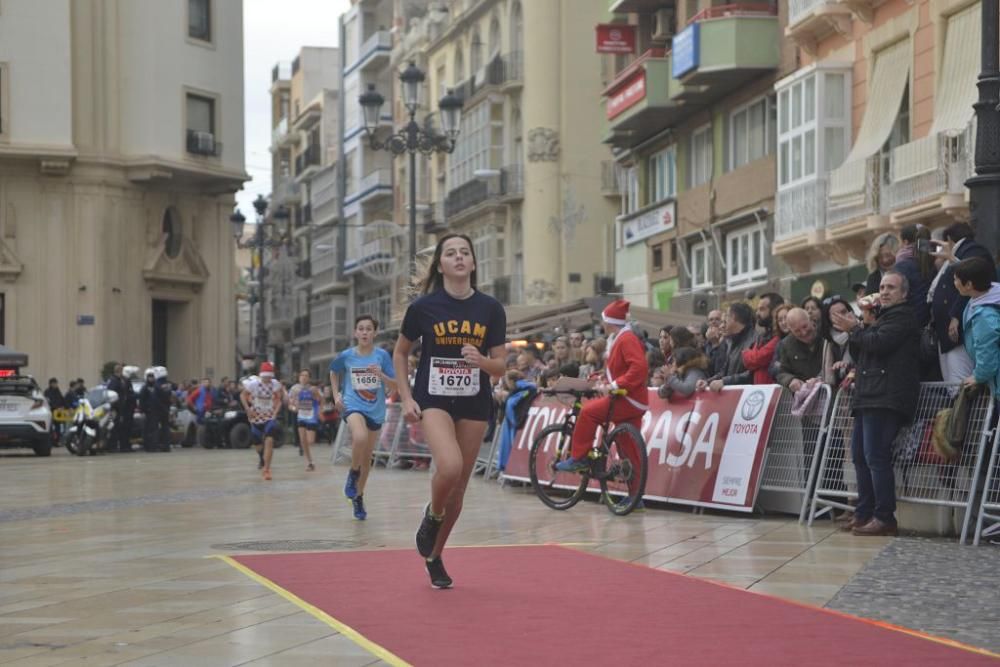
(881, 257)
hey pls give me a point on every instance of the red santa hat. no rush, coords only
(616, 313)
(267, 369)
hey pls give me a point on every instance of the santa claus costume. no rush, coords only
(626, 369)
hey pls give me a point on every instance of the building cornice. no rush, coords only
(155, 168)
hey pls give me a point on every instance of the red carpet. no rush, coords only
(553, 605)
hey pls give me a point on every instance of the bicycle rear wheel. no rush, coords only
(624, 469)
(558, 490)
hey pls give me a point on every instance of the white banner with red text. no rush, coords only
(707, 450)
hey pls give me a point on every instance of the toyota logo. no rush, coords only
(616, 35)
(752, 405)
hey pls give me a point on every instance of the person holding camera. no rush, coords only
(885, 345)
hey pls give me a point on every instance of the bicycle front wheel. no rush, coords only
(558, 490)
(624, 469)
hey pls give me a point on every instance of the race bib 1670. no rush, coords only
(453, 377)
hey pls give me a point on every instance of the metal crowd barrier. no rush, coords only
(486, 461)
(791, 457)
(387, 445)
(922, 476)
(343, 434)
(988, 523)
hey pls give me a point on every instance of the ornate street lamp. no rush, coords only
(267, 235)
(412, 138)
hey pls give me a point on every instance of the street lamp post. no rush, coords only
(412, 138)
(262, 238)
(984, 187)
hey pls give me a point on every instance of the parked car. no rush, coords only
(25, 418)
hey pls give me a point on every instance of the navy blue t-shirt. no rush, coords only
(444, 325)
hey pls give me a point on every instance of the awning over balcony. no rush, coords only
(885, 95)
(956, 84)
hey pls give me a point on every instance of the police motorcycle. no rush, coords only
(94, 416)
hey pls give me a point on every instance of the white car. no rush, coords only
(25, 418)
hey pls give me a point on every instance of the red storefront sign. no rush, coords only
(615, 38)
(631, 90)
(706, 451)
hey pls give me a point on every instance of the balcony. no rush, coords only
(811, 20)
(323, 195)
(300, 327)
(800, 226)
(373, 187)
(927, 178)
(863, 9)
(280, 136)
(800, 209)
(723, 47)
(505, 72)
(323, 265)
(508, 184)
(639, 6)
(203, 143)
(310, 157)
(640, 101)
(610, 175)
(374, 53)
(281, 72)
(853, 210)
(307, 118)
(286, 191)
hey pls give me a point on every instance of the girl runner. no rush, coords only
(262, 398)
(462, 333)
(304, 401)
(364, 371)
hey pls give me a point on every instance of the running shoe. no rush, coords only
(351, 488)
(427, 533)
(359, 508)
(439, 578)
(310, 468)
(267, 475)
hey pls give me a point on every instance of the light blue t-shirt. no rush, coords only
(363, 391)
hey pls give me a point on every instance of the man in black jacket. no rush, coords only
(123, 424)
(886, 348)
(947, 304)
(154, 399)
(740, 336)
(53, 394)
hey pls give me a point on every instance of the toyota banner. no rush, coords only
(707, 450)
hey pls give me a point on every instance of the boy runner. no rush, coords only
(359, 377)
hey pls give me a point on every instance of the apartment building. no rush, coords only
(692, 123)
(121, 147)
(366, 30)
(875, 129)
(303, 290)
(524, 179)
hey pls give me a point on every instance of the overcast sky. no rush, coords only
(274, 32)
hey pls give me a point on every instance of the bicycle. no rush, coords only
(622, 478)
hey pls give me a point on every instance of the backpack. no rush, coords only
(951, 424)
(523, 405)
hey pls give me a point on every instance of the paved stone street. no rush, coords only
(103, 559)
(931, 585)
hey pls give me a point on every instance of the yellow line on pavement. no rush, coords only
(344, 629)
